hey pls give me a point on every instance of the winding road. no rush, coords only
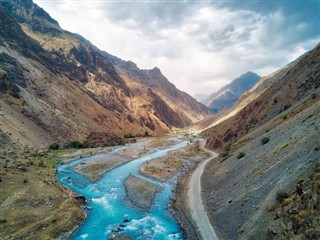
(195, 202)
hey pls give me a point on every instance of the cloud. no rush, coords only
(199, 46)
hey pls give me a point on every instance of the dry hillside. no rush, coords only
(268, 149)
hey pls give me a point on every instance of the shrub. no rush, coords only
(54, 146)
(241, 155)
(77, 144)
(128, 135)
(281, 195)
(313, 95)
(224, 154)
(265, 140)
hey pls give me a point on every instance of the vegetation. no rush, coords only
(78, 144)
(54, 146)
(128, 135)
(146, 134)
(313, 95)
(224, 154)
(241, 155)
(111, 144)
(265, 140)
(281, 195)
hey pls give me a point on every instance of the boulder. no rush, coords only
(81, 199)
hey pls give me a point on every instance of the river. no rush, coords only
(109, 205)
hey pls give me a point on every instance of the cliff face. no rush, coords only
(69, 89)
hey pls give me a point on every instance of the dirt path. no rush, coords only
(195, 203)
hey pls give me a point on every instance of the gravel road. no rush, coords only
(195, 203)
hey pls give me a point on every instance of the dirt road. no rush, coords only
(195, 203)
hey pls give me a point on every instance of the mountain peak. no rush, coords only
(29, 13)
(228, 95)
(156, 70)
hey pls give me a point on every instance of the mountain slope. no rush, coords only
(268, 149)
(228, 95)
(66, 88)
(299, 81)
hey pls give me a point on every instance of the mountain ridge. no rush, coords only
(229, 94)
(126, 100)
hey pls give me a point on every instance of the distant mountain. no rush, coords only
(57, 86)
(228, 95)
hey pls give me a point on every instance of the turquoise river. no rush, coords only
(109, 205)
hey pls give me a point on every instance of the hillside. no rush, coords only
(301, 80)
(57, 87)
(269, 149)
(228, 95)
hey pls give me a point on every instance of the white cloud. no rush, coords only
(198, 46)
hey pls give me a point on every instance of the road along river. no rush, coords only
(195, 203)
(109, 206)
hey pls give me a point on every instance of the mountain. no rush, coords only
(56, 86)
(228, 95)
(266, 178)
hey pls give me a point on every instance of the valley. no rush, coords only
(75, 168)
(95, 147)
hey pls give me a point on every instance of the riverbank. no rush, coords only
(33, 205)
(179, 205)
(43, 208)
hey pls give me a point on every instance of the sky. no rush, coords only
(199, 45)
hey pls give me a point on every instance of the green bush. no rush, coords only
(313, 95)
(241, 155)
(265, 140)
(281, 195)
(54, 146)
(77, 144)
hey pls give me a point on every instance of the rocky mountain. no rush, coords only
(228, 95)
(301, 80)
(57, 86)
(265, 182)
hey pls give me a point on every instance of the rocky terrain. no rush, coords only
(33, 204)
(140, 192)
(228, 95)
(300, 81)
(267, 148)
(57, 87)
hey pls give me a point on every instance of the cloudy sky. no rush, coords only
(198, 45)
